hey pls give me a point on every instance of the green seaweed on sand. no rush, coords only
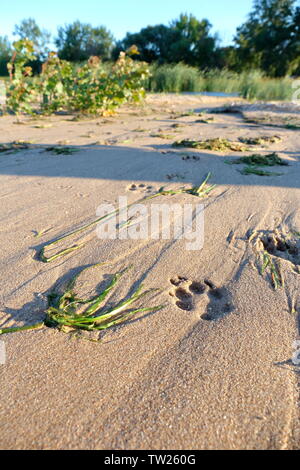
(161, 135)
(292, 127)
(225, 110)
(205, 119)
(285, 122)
(177, 125)
(217, 145)
(68, 312)
(179, 115)
(14, 147)
(62, 150)
(263, 140)
(43, 126)
(271, 159)
(203, 190)
(252, 170)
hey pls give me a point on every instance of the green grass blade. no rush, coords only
(266, 262)
(99, 300)
(130, 314)
(4, 331)
(202, 185)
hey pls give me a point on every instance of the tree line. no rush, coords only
(269, 40)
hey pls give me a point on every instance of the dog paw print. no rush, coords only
(185, 292)
(208, 300)
(220, 302)
(184, 300)
(191, 158)
(281, 246)
(176, 281)
(140, 188)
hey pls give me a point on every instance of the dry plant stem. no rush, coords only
(201, 191)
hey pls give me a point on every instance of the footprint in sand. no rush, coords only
(140, 188)
(281, 246)
(206, 299)
(220, 302)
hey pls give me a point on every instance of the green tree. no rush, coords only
(5, 54)
(185, 40)
(79, 41)
(295, 44)
(153, 43)
(267, 39)
(29, 29)
(193, 42)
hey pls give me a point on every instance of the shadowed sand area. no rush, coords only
(212, 370)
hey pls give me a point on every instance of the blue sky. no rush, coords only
(120, 16)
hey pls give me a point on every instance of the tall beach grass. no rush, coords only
(250, 85)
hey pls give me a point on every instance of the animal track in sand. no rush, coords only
(140, 187)
(220, 302)
(176, 281)
(184, 299)
(209, 301)
(280, 245)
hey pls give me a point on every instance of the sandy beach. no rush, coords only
(211, 370)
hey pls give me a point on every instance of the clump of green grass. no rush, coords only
(263, 140)
(262, 248)
(249, 85)
(61, 150)
(257, 160)
(274, 269)
(175, 78)
(217, 145)
(256, 86)
(68, 312)
(271, 247)
(200, 191)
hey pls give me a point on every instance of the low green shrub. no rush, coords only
(61, 86)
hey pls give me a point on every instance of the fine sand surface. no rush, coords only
(217, 375)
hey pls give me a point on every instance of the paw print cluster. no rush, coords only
(204, 297)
